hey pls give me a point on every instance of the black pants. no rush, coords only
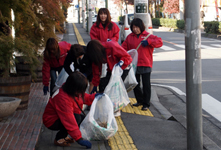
(104, 81)
(143, 96)
(63, 133)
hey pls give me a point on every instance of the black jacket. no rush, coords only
(84, 65)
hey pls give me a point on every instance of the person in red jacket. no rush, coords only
(54, 56)
(104, 29)
(145, 59)
(111, 53)
(63, 111)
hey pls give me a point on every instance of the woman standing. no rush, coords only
(104, 29)
(145, 59)
(54, 56)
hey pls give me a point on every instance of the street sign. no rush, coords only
(76, 6)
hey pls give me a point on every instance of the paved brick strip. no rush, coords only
(121, 140)
(22, 129)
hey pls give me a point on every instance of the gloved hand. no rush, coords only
(108, 40)
(94, 90)
(84, 143)
(45, 90)
(144, 43)
(97, 94)
(120, 63)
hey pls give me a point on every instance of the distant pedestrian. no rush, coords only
(111, 53)
(54, 56)
(80, 58)
(104, 29)
(145, 59)
(63, 111)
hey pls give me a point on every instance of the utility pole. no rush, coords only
(83, 13)
(141, 11)
(78, 11)
(106, 4)
(193, 75)
(89, 16)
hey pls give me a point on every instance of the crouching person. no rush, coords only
(63, 111)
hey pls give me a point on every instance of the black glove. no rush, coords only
(144, 43)
(97, 94)
(94, 90)
(45, 90)
(84, 143)
(120, 63)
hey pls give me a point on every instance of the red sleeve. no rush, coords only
(93, 32)
(121, 53)
(115, 31)
(65, 111)
(155, 41)
(65, 46)
(125, 44)
(89, 98)
(96, 75)
(46, 73)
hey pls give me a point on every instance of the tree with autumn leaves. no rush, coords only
(34, 22)
(171, 6)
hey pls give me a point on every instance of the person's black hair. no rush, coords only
(76, 84)
(139, 23)
(108, 20)
(77, 50)
(96, 52)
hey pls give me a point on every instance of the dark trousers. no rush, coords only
(63, 133)
(104, 81)
(53, 74)
(143, 96)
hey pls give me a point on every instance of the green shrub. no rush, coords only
(213, 27)
(156, 21)
(180, 24)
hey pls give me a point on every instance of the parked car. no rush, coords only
(125, 26)
(94, 18)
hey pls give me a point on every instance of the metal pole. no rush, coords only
(106, 4)
(78, 11)
(90, 15)
(193, 75)
(83, 13)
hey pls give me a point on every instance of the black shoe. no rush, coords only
(137, 104)
(144, 108)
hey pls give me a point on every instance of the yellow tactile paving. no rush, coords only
(136, 110)
(78, 35)
(121, 140)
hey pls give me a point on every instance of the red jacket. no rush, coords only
(101, 34)
(145, 54)
(62, 106)
(114, 53)
(53, 63)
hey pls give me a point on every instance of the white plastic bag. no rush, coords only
(116, 89)
(133, 53)
(100, 114)
(103, 70)
(62, 77)
(130, 81)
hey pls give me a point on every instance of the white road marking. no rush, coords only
(167, 48)
(216, 45)
(71, 34)
(212, 106)
(181, 46)
(207, 47)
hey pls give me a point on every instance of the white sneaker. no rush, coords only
(117, 113)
